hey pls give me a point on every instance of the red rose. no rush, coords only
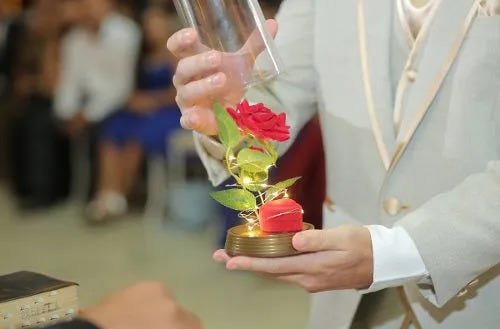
(260, 121)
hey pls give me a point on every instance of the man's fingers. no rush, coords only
(315, 240)
(339, 238)
(185, 43)
(255, 43)
(209, 87)
(272, 27)
(311, 283)
(285, 265)
(220, 256)
(200, 119)
(196, 66)
(306, 281)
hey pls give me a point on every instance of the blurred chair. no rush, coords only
(156, 185)
(81, 169)
(161, 173)
(180, 148)
(174, 197)
(84, 164)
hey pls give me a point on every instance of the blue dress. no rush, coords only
(150, 130)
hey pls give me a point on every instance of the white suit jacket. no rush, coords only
(423, 153)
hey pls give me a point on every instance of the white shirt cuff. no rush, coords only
(396, 259)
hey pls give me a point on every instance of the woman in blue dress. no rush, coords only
(142, 126)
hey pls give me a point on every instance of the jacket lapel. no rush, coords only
(374, 33)
(428, 66)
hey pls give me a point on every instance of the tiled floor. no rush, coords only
(102, 259)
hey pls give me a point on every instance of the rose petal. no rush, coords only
(269, 124)
(244, 107)
(282, 119)
(263, 116)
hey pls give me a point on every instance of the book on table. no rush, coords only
(32, 300)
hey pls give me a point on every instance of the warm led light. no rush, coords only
(247, 180)
(252, 234)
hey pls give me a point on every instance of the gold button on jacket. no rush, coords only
(411, 74)
(392, 206)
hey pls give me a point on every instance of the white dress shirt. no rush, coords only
(97, 70)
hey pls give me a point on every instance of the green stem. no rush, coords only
(261, 198)
(228, 166)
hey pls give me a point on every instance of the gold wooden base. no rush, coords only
(240, 241)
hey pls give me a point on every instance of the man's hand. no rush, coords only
(339, 258)
(205, 75)
(145, 305)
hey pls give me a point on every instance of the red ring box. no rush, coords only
(280, 216)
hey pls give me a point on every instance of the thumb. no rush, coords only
(315, 240)
(255, 43)
(272, 27)
(200, 119)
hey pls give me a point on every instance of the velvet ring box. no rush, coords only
(281, 216)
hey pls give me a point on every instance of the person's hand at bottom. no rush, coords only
(145, 305)
(339, 258)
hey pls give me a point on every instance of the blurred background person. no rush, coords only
(8, 10)
(38, 152)
(143, 125)
(98, 63)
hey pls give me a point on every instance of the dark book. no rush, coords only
(32, 300)
(25, 284)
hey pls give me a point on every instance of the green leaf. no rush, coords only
(258, 180)
(229, 133)
(254, 161)
(280, 187)
(236, 199)
(272, 150)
